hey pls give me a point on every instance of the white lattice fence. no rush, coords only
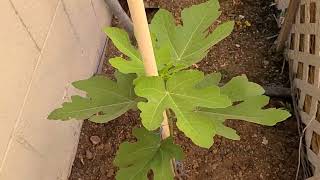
(304, 53)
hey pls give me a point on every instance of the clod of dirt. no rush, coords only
(108, 148)
(110, 173)
(89, 154)
(95, 140)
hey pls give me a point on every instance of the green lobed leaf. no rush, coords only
(179, 94)
(127, 67)
(249, 107)
(121, 40)
(205, 128)
(249, 110)
(134, 64)
(162, 55)
(189, 43)
(105, 101)
(209, 80)
(195, 118)
(239, 88)
(135, 160)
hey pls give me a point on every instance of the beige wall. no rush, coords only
(44, 46)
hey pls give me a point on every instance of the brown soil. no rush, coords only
(262, 153)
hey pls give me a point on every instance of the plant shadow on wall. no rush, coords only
(195, 102)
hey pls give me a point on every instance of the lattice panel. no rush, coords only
(304, 51)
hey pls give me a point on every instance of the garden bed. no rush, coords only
(262, 153)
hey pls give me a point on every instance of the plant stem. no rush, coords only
(142, 34)
(170, 121)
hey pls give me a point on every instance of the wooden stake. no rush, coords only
(286, 27)
(142, 34)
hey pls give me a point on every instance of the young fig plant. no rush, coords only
(197, 101)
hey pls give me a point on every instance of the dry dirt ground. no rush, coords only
(262, 153)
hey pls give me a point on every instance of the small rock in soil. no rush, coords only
(265, 62)
(89, 154)
(103, 177)
(95, 140)
(108, 148)
(100, 147)
(81, 160)
(265, 141)
(261, 176)
(110, 173)
(195, 165)
(228, 163)
(215, 151)
(214, 166)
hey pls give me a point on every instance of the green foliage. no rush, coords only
(249, 102)
(175, 46)
(239, 88)
(148, 153)
(179, 94)
(127, 67)
(189, 43)
(248, 110)
(198, 102)
(201, 111)
(121, 40)
(210, 79)
(105, 101)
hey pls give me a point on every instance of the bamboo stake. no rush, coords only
(142, 34)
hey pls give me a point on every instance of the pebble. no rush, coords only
(265, 62)
(237, 45)
(261, 176)
(108, 148)
(265, 141)
(81, 160)
(110, 173)
(89, 154)
(100, 147)
(103, 177)
(215, 151)
(95, 140)
(214, 166)
(195, 165)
